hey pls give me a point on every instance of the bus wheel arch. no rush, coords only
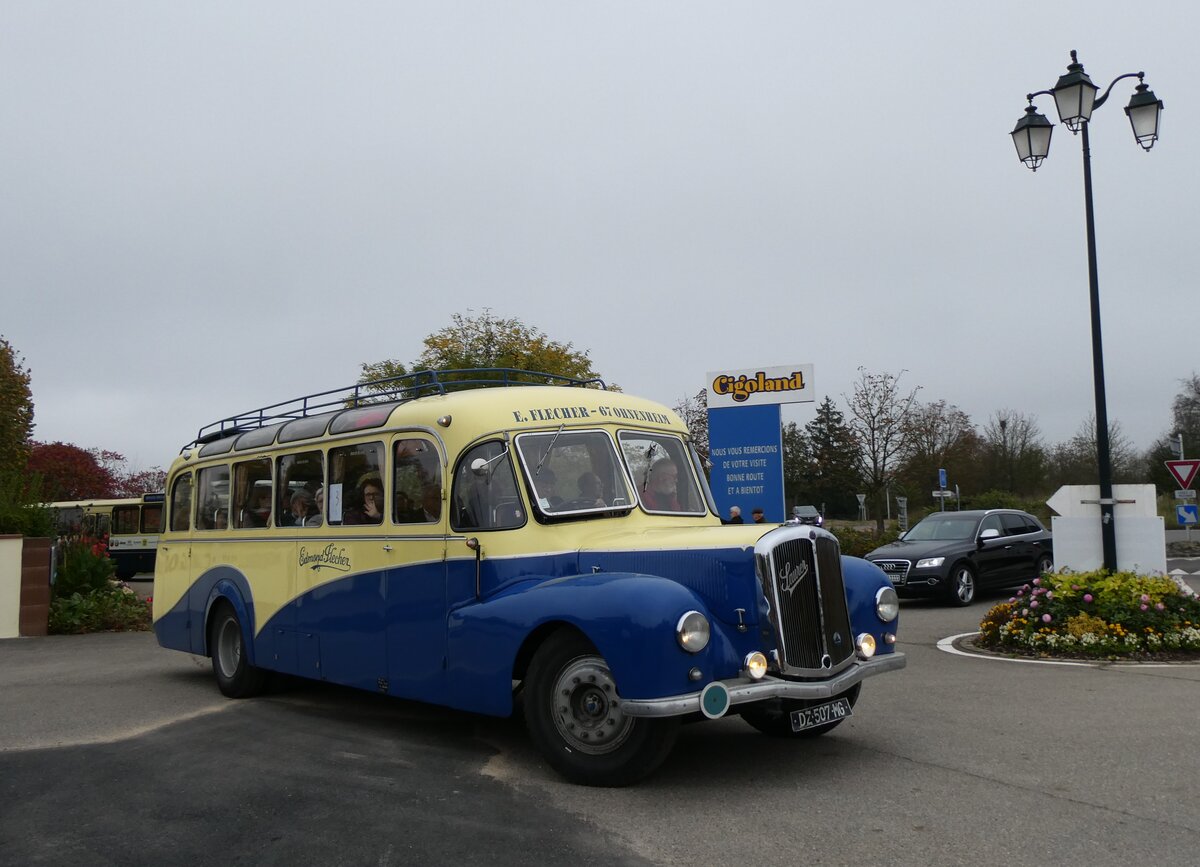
(227, 645)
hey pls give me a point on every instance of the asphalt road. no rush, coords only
(113, 750)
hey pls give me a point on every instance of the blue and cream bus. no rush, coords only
(129, 526)
(467, 537)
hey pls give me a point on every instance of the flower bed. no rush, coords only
(1097, 615)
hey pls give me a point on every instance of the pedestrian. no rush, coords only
(735, 515)
(757, 515)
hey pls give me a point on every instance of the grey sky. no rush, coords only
(209, 207)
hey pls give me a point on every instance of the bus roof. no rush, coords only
(393, 389)
(487, 396)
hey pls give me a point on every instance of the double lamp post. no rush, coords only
(1075, 97)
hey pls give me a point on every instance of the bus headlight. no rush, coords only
(755, 665)
(692, 632)
(866, 645)
(887, 604)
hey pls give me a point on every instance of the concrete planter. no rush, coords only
(24, 586)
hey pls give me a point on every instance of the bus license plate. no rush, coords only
(821, 714)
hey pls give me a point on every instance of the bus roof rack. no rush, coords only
(398, 389)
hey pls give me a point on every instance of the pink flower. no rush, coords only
(1024, 612)
(1049, 594)
(1037, 582)
(1145, 598)
(1074, 586)
(1087, 597)
(1033, 603)
(1020, 593)
(1145, 607)
(1159, 606)
(1045, 618)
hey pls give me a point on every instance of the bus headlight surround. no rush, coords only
(692, 632)
(866, 645)
(755, 665)
(887, 604)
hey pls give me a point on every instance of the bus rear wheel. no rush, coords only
(574, 717)
(236, 677)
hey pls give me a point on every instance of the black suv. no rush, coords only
(952, 554)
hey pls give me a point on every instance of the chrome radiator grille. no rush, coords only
(801, 576)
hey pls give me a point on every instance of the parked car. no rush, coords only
(807, 515)
(952, 555)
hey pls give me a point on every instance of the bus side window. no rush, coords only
(213, 496)
(181, 503)
(252, 483)
(416, 482)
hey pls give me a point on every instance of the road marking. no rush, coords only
(947, 645)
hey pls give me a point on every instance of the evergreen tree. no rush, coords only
(16, 410)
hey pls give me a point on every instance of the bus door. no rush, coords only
(416, 581)
(173, 574)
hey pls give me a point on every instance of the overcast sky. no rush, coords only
(209, 207)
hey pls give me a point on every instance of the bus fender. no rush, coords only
(225, 589)
(630, 618)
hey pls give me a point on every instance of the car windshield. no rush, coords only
(574, 472)
(661, 468)
(954, 529)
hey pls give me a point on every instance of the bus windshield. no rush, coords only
(661, 468)
(574, 472)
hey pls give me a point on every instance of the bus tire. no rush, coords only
(574, 717)
(236, 677)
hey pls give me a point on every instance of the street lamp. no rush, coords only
(1075, 97)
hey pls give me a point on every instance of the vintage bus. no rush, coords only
(472, 540)
(130, 527)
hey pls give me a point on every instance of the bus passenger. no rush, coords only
(370, 512)
(304, 513)
(661, 492)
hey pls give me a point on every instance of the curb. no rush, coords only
(962, 645)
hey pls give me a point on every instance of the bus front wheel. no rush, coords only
(574, 717)
(236, 677)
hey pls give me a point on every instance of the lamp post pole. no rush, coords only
(1108, 530)
(1075, 97)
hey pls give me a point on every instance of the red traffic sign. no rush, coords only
(1183, 471)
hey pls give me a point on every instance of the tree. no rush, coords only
(1014, 453)
(693, 411)
(941, 436)
(1075, 462)
(834, 479)
(483, 340)
(1185, 420)
(797, 465)
(879, 419)
(16, 410)
(71, 473)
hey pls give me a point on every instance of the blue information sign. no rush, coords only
(1187, 515)
(941, 478)
(746, 449)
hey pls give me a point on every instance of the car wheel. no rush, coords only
(236, 677)
(962, 584)
(1045, 564)
(774, 716)
(574, 716)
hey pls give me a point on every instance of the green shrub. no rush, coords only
(20, 513)
(1096, 614)
(83, 566)
(113, 608)
(856, 542)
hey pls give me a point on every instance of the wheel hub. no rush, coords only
(587, 710)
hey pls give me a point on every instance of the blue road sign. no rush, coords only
(1188, 515)
(941, 478)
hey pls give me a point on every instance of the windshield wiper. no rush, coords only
(549, 448)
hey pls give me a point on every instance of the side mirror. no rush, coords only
(479, 467)
(988, 534)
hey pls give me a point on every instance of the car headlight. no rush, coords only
(692, 631)
(887, 604)
(930, 562)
